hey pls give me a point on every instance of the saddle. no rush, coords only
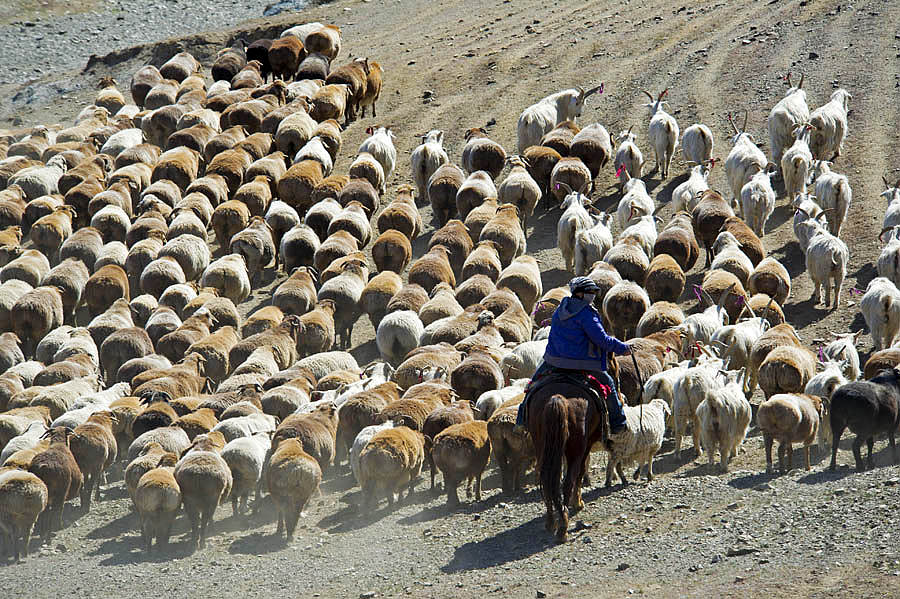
(593, 389)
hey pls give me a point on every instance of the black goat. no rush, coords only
(866, 408)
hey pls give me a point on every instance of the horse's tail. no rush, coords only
(556, 434)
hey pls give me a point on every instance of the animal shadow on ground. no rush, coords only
(664, 196)
(882, 458)
(507, 546)
(116, 528)
(781, 215)
(259, 543)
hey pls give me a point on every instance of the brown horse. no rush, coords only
(563, 423)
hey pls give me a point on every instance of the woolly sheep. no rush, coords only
(645, 426)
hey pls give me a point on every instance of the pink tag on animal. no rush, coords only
(620, 170)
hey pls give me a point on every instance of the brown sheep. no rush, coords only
(205, 480)
(410, 297)
(476, 374)
(331, 102)
(121, 346)
(297, 294)
(391, 251)
(665, 280)
(789, 418)
(31, 267)
(749, 243)
(462, 451)
(282, 339)
(440, 419)
(391, 460)
(93, 444)
(142, 82)
(506, 231)
(432, 268)
(708, 218)
(105, 286)
(263, 319)
(345, 291)
(360, 411)
(35, 314)
(293, 476)
(325, 40)
(174, 345)
(215, 348)
(178, 165)
(285, 55)
(455, 237)
(231, 166)
(57, 468)
(374, 81)
(256, 194)
(523, 278)
(511, 447)
(377, 294)
(443, 186)
(49, 232)
(402, 214)
(474, 289)
(315, 430)
(786, 369)
(23, 496)
(295, 188)
(482, 154)
(319, 329)
(355, 76)
(157, 498)
(229, 219)
(480, 216)
(256, 245)
(441, 304)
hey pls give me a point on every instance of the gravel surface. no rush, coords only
(34, 45)
(692, 532)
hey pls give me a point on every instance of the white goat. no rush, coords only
(830, 121)
(889, 258)
(592, 243)
(380, 144)
(892, 195)
(645, 426)
(663, 132)
(823, 385)
(880, 307)
(634, 204)
(520, 188)
(628, 157)
(736, 340)
(700, 327)
(644, 230)
(744, 160)
(790, 111)
(826, 260)
(758, 201)
(539, 118)
(724, 419)
(574, 218)
(697, 144)
(426, 159)
(833, 193)
(843, 349)
(687, 194)
(807, 217)
(697, 383)
(796, 163)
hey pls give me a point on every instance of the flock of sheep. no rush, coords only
(108, 224)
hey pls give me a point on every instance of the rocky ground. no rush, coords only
(457, 64)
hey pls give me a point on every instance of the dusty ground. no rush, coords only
(690, 533)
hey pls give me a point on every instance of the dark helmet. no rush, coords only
(583, 285)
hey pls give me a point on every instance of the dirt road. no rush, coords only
(689, 534)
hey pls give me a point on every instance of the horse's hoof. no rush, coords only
(562, 536)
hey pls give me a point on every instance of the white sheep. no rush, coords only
(645, 427)
(380, 144)
(490, 401)
(398, 334)
(523, 360)
(880, 307)
(744, 160)
(724, 419)
(634, 204)
(323, 363)
(758, 201)
(426, 159)
(359, 443)
(696, 384)
(826, 260)
(729, 257)
(663, 132)
(697, 144)
(629, 158)
(823, 385)
(315, 149)
(736, 341)
(662, 384)
(519, 188)
(574, 218)
(687, 194)
(790, 111)
(592, 243)
(796, 163)
(830, 121)
(122, 140)
(539, 118)
(26, 440)
(245, 426)
(37, 181)
(834, 194)
(889, 259)
(245, 457)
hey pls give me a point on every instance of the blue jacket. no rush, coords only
(577, 338)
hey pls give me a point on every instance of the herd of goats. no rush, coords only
(123, 341)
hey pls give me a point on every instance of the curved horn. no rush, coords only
(766, 312)
(662, 94)
(580, 91)
(629, 129)
(746, 117)
(883, 231)
(886, 184)
(564, 186)
(787, 78)
(584, 187)
(724, 297)
(649, 95)
(802, 77)
(594, 90)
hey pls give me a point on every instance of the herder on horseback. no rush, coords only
(579, 345)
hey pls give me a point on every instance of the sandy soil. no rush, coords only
(690, 533)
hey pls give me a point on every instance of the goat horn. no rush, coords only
(802, 77)
(746, 117)
(883, 231)
(897, 184)
(662, 94)
(707, 296)
(584, 188)
(580, 91)
(594, 90)
(629, 129)
(724, 297)
(733, 126)
(649, 95)
(768, 306)
(886, 184)
(564, 186)
(748, 309)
